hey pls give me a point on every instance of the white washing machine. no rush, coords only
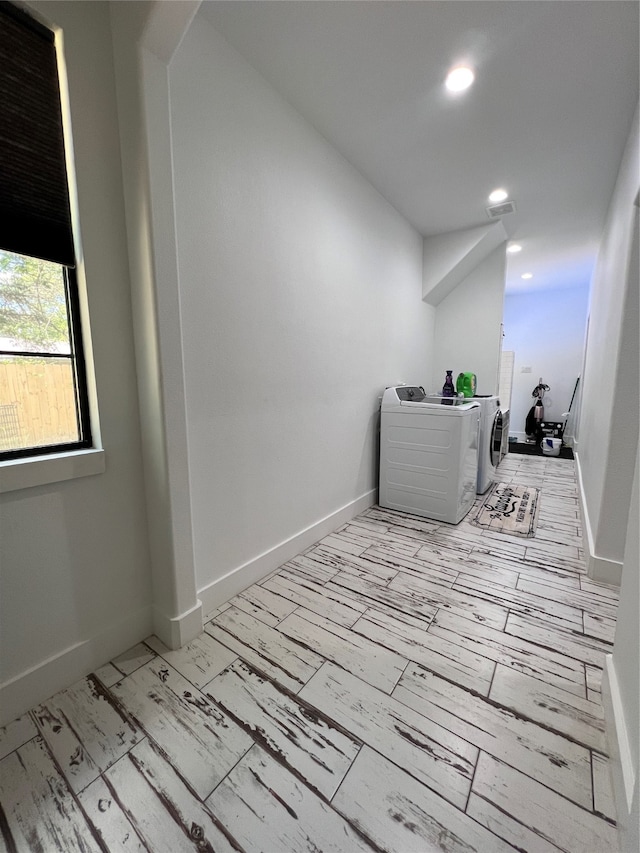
(428, 454)
(493, 431)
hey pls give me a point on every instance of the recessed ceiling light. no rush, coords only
(498, 195)
(514, 248)
(459, 79)
(528, 275)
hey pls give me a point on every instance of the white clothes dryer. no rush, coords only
(428, 454)
(491, 440)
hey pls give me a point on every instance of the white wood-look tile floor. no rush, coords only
(403, 685)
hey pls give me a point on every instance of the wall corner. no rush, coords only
(177, 631)
(624, 779)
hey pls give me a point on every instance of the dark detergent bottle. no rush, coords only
(447, 389)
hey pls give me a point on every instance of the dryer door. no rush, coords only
(495, 445)
(506, 417)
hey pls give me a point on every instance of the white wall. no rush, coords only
(608, 428)
(607, 458)
(300, 296)
(145, 36)
(468, 326)
(546, 331)
(74, 562)
(621, 687)
(626, 677)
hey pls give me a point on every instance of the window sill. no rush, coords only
(41, 470)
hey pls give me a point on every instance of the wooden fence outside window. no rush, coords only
(37, 403)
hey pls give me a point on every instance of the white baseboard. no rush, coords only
(603, 570)
(224, 588)
(621, 759)
(22, 692)
(599, 569)
(180, 630)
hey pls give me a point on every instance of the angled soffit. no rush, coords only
(449, 258)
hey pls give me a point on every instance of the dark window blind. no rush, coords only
(35, 217)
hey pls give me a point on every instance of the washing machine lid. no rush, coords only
(412, 398)
(455, 410)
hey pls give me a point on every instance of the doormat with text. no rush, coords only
(509, 509)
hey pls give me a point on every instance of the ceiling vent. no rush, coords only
(498, 210)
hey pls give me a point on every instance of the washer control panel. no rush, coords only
(411, 393)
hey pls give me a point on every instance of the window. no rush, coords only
(43, 396)
(43, 403)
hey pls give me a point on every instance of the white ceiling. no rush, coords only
(547, 118)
